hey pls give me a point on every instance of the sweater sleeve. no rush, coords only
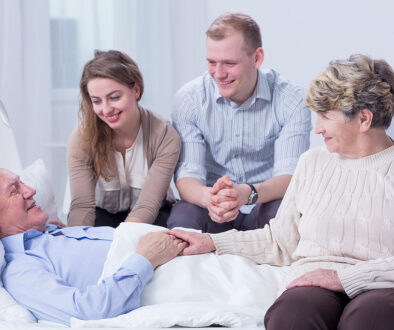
(165, 157)
(82, 184)
(368, 275)
(276, 242)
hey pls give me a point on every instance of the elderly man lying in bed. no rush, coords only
(335, 225)
(53, 271)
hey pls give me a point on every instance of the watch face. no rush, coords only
(253, 198)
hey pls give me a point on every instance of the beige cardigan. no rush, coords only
(337, 213)
(161, 149)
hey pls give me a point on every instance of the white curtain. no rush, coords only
(25, 85)
(165, 37)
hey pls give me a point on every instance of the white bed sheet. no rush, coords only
(190, 291)
(194, 291)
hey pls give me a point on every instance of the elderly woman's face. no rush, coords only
(339, 136)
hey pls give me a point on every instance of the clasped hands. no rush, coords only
(226, 197)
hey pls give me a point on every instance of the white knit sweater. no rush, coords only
(338, 213)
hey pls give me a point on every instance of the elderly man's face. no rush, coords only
(18, 210)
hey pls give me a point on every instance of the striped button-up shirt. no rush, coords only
(258, 140)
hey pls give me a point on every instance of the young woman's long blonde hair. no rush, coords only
(97, 135)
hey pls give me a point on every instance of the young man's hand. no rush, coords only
(226, 199)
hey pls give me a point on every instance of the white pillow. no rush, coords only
(36, 176)
(231, 283)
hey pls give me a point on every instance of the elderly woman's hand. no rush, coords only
(324, 278)
(197, 243)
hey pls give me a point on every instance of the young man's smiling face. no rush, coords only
(18, 210)
(233, 67)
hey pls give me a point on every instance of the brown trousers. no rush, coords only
(307, 308)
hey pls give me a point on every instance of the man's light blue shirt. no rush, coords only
(54, 274)
(253, 142)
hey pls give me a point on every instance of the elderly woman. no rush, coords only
(335, 226)
(121, 157)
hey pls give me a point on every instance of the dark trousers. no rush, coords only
(307, 308)
(187, 215)
(105, 218)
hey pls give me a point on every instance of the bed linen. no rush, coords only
(194, 291)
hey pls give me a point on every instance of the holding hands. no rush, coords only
(226, 197)
(195, 243)
(159, 247)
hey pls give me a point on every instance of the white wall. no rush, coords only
(301, 37)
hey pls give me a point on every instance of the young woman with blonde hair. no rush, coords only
(121, 156)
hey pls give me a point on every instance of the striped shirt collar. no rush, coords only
(262, 91)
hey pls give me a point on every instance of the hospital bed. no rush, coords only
(189, 291)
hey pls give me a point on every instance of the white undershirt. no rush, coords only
(122, 192)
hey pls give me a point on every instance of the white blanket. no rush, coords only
(194, 291)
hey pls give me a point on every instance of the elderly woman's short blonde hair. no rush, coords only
(353, 85)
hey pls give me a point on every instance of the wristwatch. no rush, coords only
(253, 195)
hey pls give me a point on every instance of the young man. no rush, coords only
(53, 271)
(242, 132)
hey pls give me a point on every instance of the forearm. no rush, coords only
(194, 191)
(81, 214)
(367, 275)
(258, 245)
(82, 180)
(159, 178)
(133, 219)
(272, 189)
(52, 298)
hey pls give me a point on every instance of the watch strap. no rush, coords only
(253, 195)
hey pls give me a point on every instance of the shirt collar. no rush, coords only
(16, 243)
(262, 90)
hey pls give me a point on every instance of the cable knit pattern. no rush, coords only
(338, 213)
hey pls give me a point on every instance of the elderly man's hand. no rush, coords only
(324, 278)
(61, 224)
(197, 243)
(159, 247)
